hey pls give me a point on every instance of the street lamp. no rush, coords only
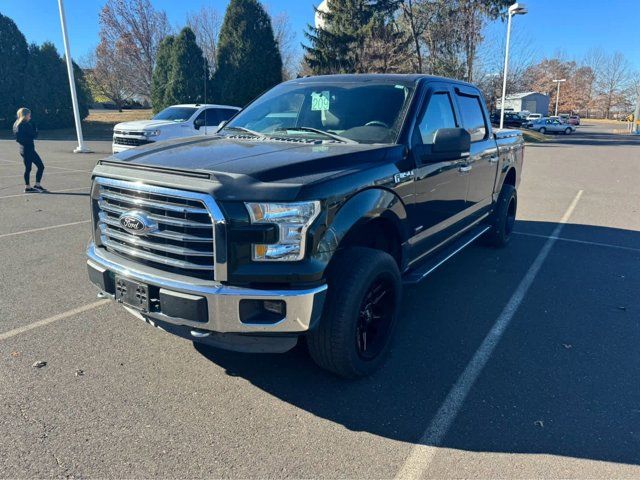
(515, 9)
(558, 92)
(74, 97)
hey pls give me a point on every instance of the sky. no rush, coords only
(571, 27)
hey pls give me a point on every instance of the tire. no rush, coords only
(567, 131)
(503, 219)
(353, 336)
(543, 130)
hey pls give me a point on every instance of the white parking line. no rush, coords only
(423, 453)
(43, 228)
(44, 195)
(55, 318)
(584, 242)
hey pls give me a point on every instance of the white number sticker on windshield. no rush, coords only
(320, 101)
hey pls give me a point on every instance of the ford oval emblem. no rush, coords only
(137, 223)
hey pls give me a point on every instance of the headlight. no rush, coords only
(151, 133)
(292, 219)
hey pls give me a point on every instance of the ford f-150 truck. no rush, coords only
(305, 215)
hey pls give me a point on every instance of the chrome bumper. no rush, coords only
(303, 307)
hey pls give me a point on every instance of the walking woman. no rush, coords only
(26, 133)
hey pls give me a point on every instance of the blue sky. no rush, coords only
(570, 26)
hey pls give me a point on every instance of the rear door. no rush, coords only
(441, 186)
(483, 159)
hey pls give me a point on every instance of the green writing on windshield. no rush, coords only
(320, 101)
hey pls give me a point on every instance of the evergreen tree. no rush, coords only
(161, 73)
(189, 73)
(350, 32)
(248, 60)
(13, 58)
(46, 88)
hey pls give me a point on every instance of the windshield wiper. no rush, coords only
(245, 130)
(318, 131)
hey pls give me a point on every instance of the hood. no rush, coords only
(265, 161)
(143, 124)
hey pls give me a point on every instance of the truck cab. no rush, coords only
(172, 122)
(305, 215)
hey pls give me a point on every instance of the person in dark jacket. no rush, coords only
(26, 133)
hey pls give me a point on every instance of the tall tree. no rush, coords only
(13, 54)
(613, 81)
(340, 45)
(110, 75)
(206, 24)
(161, 74)
(248, 61)
(46, 89)
(189, 75)
(141, 27)
(285, 38)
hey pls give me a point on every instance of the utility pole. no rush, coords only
(72, 83)
(635, 128)
(558, 92)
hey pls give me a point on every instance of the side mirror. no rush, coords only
(199, 122)
(221, 125)
(450, 144)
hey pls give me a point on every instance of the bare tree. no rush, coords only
(613, 81)
(108, 75)
(415, 18)
(286, 39)
(138, 28)
(206, 24)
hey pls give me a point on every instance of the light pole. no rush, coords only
(558, 92)
(74, 97)
(515, 9)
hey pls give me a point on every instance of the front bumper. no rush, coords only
(222, 304)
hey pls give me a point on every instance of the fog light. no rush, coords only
(274, 306)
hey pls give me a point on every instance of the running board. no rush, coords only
(433, 261)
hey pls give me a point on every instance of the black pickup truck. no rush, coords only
(305, 214)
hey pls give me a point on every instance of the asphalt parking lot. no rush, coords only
(522, 362)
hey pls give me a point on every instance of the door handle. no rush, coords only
(465, 169)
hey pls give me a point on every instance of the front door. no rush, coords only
(441, 186)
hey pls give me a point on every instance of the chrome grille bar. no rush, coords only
(183, 239)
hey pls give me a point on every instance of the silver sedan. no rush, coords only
(549, 125)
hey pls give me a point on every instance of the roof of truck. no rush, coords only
(370, 77)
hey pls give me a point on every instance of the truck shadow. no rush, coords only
(562, 381)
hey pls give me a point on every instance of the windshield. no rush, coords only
(175, 114)
(333, 112)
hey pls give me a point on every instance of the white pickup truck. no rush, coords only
(172, 122)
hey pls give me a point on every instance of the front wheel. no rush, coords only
(360, 313)
(504, 218)
(543, 130)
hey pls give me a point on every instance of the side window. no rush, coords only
(225, 114)
(472, 116)
(439, 114)
(211, 117)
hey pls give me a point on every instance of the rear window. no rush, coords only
(472, 117)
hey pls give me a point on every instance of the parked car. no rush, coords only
(564, 117)
(172, 122)
(552, 125)
(511, 119)
(574, 120)
(304, 215)
(534, 116)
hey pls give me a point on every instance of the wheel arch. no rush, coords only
(374, 218)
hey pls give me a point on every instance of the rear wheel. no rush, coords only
(360, 313)
(504, 218)
(567, 131)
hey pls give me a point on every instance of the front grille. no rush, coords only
(132, 142)
(182, 243)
